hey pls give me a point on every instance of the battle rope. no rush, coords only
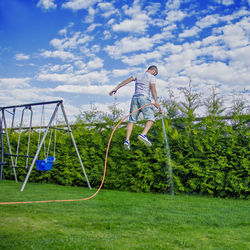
(104, 171)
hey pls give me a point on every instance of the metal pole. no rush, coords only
(2, 150)
(73, 140)
(13, 120)
(31, 104)
(19, 136)
(8, 141)
(28, 145)
(39, 147)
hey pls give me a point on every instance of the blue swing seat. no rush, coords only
(44, 165)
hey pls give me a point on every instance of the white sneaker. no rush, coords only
(127, 145)
(145, 139)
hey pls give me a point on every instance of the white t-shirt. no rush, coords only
(143, 82)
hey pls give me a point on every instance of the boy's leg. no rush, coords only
(147, 127)
(143, 136)
(129, 130)
(148, 113)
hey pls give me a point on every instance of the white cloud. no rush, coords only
(138, 21)
(92, 90)
(239, 30)
(92, 27)
(63, 55)
(125, 92)
(107, 35)
(240, 57)
(134, 60)
(12, 83)
(63, 32)
(129, 44)
(20, 57)
(111, 21)
(220, 73)
(236, 15)
(16, 91)
(79, 4)
(228, 2)
(153, 8)
(108, 9)
(173, 4)
(80, 65)
(189, 33)
(225, 2)
(214, 51)
(175, 15)
(95, 63)
(95, 48)
(210, 40)
(91, 15)
(133, 10)
(78, 38)
(142, 58)
(138, 25)
(47, 4)
(93, 77)
(120, 72)
(24, 95)
(216, 19)
(57, 77)
(170, 48)
(67, 68)
(208, 21)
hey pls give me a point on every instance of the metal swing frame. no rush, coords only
(29, 108)
(46, 151)
(4, 130)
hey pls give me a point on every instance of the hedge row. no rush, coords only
(209, 157)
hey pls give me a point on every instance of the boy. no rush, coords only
(144, 85)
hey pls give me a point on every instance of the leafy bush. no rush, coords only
(208, 156)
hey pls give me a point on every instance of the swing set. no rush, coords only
(42, 164)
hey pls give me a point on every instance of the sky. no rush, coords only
(79, 50)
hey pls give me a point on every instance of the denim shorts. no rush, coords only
(137, 102)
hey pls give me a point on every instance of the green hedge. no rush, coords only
(209, 157)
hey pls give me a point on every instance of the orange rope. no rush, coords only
(104, 172)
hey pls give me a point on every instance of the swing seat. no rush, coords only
(46, 164)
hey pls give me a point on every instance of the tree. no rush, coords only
(114, 114)
(92, 116)
(214, 103)
(170, 104)
(191, 103)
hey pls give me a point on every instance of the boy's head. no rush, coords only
(153, 69)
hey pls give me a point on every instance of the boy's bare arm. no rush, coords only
(154, 94)
(123, 83)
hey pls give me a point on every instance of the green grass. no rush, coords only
(119, 220)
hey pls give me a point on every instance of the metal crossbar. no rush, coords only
(27, 156)
(31, 104)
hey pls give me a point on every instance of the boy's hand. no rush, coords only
(157, 105)
(113, 92)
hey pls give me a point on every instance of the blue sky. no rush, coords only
(78, 50)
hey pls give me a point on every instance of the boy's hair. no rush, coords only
(153, 67)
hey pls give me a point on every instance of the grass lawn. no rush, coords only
(119, 220)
